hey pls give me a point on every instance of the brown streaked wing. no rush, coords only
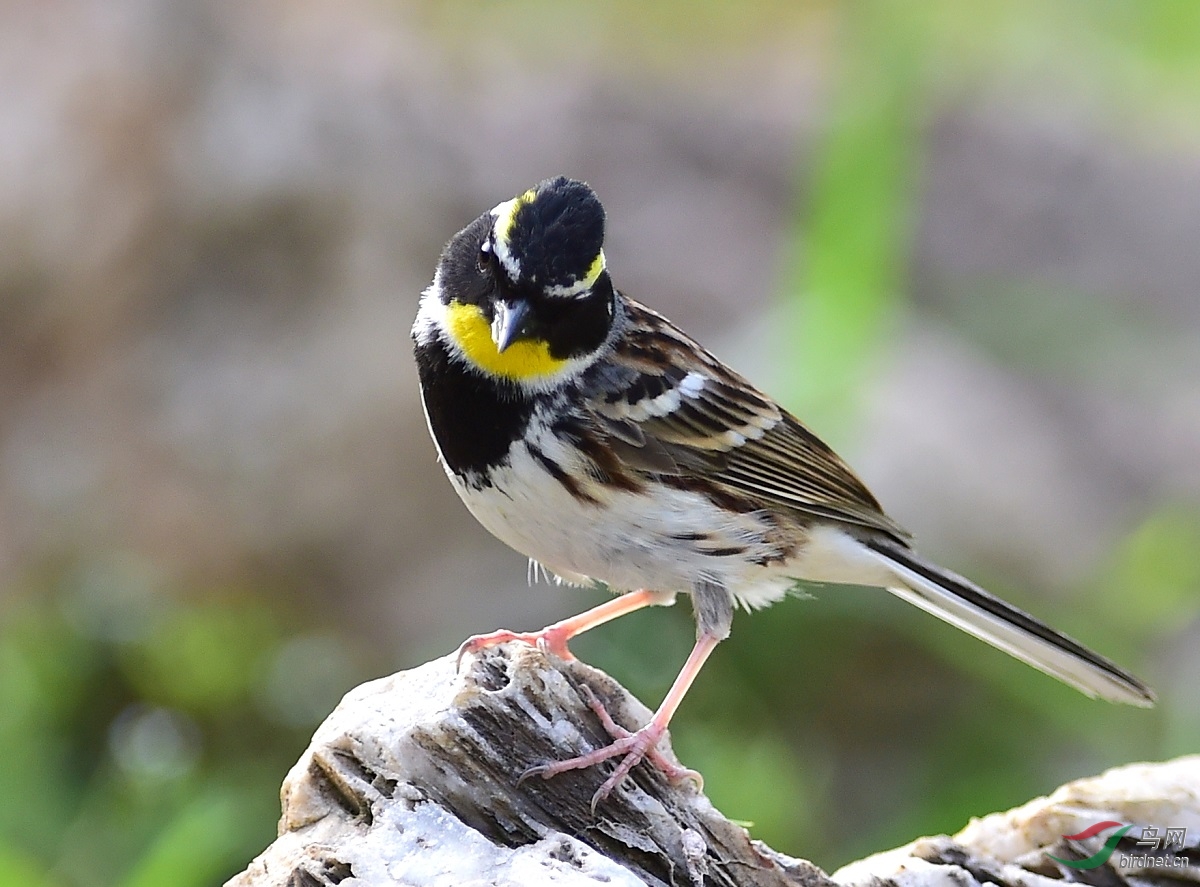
(793, 468)
(729, 433)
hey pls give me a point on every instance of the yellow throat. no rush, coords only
(520, 361)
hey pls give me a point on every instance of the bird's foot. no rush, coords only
(552, 639)
(634, 746)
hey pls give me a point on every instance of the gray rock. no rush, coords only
(415, 780)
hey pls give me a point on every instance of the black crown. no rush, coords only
(558, 234)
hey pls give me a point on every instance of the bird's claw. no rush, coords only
(549, 640)
(634, 745)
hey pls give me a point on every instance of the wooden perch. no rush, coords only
(413, 781)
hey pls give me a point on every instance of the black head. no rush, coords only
(533, 271)
(551, 237)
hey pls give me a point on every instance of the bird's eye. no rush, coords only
(484, 259)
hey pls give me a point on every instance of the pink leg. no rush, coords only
(554, 638)
(641, 744)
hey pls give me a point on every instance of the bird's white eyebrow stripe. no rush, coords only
(505, 213)
(581, 286)
(574, 290)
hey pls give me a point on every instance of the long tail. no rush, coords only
(967, 606)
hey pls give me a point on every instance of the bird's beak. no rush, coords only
(510, 324)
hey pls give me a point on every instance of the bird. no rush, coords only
(592, 435)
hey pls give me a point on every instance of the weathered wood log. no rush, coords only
(414, 780)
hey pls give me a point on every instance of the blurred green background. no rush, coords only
(959, 239)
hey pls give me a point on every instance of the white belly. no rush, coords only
(631, 540)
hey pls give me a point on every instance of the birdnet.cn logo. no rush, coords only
(1158, 851)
